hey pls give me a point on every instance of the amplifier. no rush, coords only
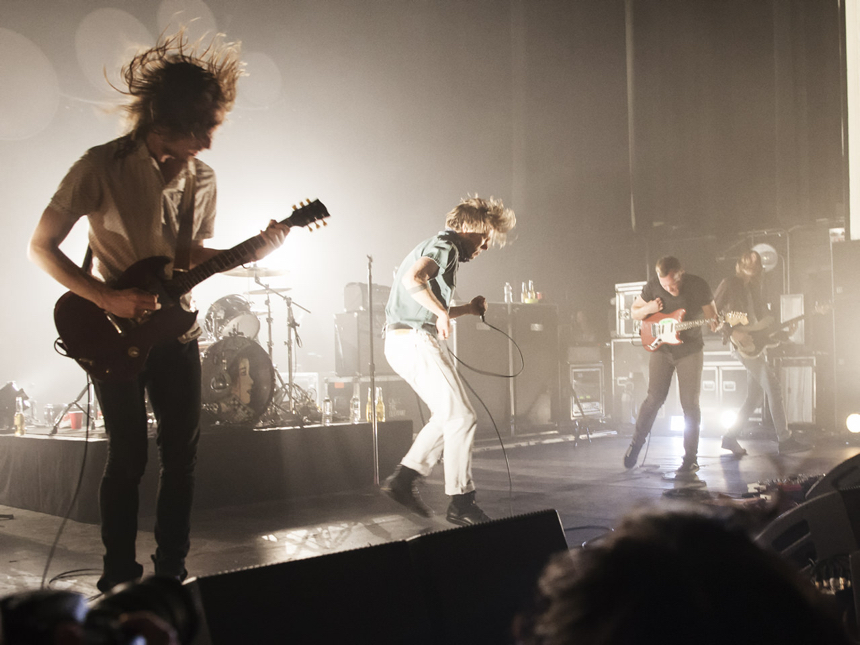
(352, 343)
(355, 296)
(587, 383)
(625, 295)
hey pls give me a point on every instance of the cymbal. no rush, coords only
(258, 292)
(255, 272)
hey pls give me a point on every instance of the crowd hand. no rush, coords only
(273, 236)
(129, 303)
(478, 305)
(443, 326)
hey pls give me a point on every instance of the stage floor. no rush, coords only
(585, 482)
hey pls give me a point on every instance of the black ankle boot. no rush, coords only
(463, 511)
(402, 487)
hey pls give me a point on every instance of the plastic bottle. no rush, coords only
(380, 405)
(532, 292)
(524, 295)
(509, 292)
(326, 411)
(368, 409)
(355, 409)
(19, 417)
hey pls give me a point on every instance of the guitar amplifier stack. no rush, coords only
(352, 330)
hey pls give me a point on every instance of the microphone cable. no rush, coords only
(487, 410)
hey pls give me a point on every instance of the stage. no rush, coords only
(39, 472)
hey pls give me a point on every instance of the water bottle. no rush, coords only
(368, 409)
(355, 409)
(509, 293)
(18, 420)
(326, 411)
(524, 295)
(532, 292)
(380, 405)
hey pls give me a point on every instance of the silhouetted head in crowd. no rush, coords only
(678, 577)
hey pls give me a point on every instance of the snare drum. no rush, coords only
(231, 316)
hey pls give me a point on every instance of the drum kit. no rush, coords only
(241, 386)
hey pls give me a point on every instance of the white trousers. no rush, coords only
(424, 363)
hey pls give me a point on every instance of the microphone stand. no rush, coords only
(374, 422)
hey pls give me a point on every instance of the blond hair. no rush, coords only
(477, 215)
(180, 87)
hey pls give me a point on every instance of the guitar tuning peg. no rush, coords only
(317, 224)
(302, 204)
(294, 207)
(308, 199)
(324, 223)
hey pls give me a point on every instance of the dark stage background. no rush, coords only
(618, 131)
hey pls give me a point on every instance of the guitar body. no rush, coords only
(760, 336)
(115, 349)
(658, 329)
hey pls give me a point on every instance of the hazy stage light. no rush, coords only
(728, 418)
(31, 92)
(104, 41)
(677, 423)
(853, 423)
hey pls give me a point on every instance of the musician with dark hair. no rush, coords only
(743, 292)
(131, 191)
(670, 290)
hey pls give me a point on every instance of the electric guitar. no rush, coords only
(111, 348)
(752, 340)
(658, 328)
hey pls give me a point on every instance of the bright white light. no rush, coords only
(853, 423)
(728, 418)
(677, 424)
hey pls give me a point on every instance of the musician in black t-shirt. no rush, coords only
(671, 290)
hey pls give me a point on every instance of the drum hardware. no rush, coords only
(254, 271)
(259, 292)
(293, 338)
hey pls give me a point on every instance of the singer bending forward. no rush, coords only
(418, 313)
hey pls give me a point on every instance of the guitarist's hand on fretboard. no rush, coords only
(274, 237)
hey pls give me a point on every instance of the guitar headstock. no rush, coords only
(736, 318)
(308, 214)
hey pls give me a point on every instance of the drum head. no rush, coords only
(238, 382)
(231, 316)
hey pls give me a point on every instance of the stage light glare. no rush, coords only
(728, 418)
(677, 423)
(853, 423)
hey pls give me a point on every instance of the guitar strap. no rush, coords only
(182, 257)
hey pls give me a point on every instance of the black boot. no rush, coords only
(402, 487)
(463, 511)
(632, 454)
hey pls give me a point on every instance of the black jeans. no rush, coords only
(660, 370)
(171, 377)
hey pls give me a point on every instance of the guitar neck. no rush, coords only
(690, 324)
(223, 261)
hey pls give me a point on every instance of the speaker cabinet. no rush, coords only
(536, 391)
(463, 585)
(352, 343)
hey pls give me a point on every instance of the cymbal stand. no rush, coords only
(89, 411)
(293, 338)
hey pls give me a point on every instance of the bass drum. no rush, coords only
(231, 316)
(238, 382)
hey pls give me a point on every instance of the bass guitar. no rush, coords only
(751, 340)
(111, 348)
(659, 328)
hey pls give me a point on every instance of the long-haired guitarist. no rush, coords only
(131, 191)
(670, 290)
(744, 292)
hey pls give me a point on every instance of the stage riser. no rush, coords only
(39, 473)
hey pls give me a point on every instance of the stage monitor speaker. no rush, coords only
(821, 528)
(476, 579)
(365, 595)
(845, 475)
(463, 585)
(352, 343)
